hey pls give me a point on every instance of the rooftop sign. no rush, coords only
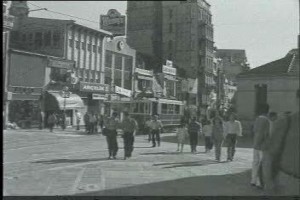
(113, 22)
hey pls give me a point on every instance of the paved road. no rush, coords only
(68, 163)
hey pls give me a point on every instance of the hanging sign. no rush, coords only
(123, 91)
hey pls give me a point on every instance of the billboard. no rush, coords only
(113, 22)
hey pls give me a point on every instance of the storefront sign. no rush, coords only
(169, 70)
(144, 72)
(171, 78)
(123, 91)
(92, 87)
(113, 22)
(65, 64)
(99, 97)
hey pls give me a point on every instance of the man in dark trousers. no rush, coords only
(194, 129)
(112, 125)
(156, 127)
(86, 119)
(129, 127)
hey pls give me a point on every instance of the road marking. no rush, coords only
(77, 181)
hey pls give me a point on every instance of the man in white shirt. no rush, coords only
(232, 129)
(156, 126)
(78, 119)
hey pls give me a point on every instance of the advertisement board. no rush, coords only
(113, 22)
(123, 91)
(169, 70)
(93, 87)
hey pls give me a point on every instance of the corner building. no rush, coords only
(180, 31)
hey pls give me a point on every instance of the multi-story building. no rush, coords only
(69, 40)
(234, 61)
(8, 22)
(180, 31)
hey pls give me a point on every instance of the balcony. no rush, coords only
(8, 21)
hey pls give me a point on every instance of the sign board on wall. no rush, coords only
(99, 96)
(113, 22)
(169, 70)
(92, 87)
(65, 64)
(123, 91)
(144, 72)
(169, 63)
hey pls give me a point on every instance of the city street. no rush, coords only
(72, 163)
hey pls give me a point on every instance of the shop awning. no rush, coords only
(73, 102)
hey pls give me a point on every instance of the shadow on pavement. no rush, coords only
(187, 164)
(217, 185)
(55, 161)
(242, 142)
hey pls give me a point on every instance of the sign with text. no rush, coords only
(169, 70)
(144, 72)
(113, 22)
(99, 97)
(65, 64)
(169, 63)
(123, 91)
(92, 87)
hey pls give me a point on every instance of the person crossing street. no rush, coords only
(156, 127)
(129, 126)
(194, 129)
(111, 126)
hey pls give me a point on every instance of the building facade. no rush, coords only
(113, 22)
(180, 31)
(274, 83)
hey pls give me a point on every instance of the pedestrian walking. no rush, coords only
(232, 129)
(261, 135)
(86, 119)
(272, 117)
(217, 134)
(181, 134)
(111, 126)
(148, 129)
(194, 129)
(156, 127)
(281, 156)
(92, 121)
(78, 119)
(129, 127)
(207, 132)
(51, 121)
(63, 121)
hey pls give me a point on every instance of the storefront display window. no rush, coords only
(108, 59)
(118, 78)
(118, 61)
(59, 74)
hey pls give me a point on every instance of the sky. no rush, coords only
(266, 29)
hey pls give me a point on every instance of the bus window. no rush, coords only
(164, 108)
(177, 109)
(135, 108)
(147, 108)
(141, 108)
(170, 109)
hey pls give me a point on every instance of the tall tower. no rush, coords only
(19, 9)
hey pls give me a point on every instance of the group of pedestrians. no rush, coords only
(92, 122)
(215, 131)
(275, 165)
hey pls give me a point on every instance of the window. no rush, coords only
(177, 109)
(38, 39)
(108, 59)
(164, 108)
(24, 38)
(71, 43)
(170, 45)
(107, 76)
(118, 78)
(89, 47)
(56, 38)
(128, 63)
(127, 80)
(99, 49)
(94, 48)
(47, 38)
(118, 61)
(77, 44)
(170, 13)
(83, 45)
(170, 28)
(141, 107)
(58, 74)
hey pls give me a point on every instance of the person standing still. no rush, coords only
(194, 129)
(86, 119)
(112, 124)
(51, 121)
(261, 133)
(181, 134)
(92, 122)
(156, 126)
(232, 129)
(148, 129)
(129, 126)
(217, 135)
(78, 119)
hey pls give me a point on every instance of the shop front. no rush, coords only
(24, 107)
